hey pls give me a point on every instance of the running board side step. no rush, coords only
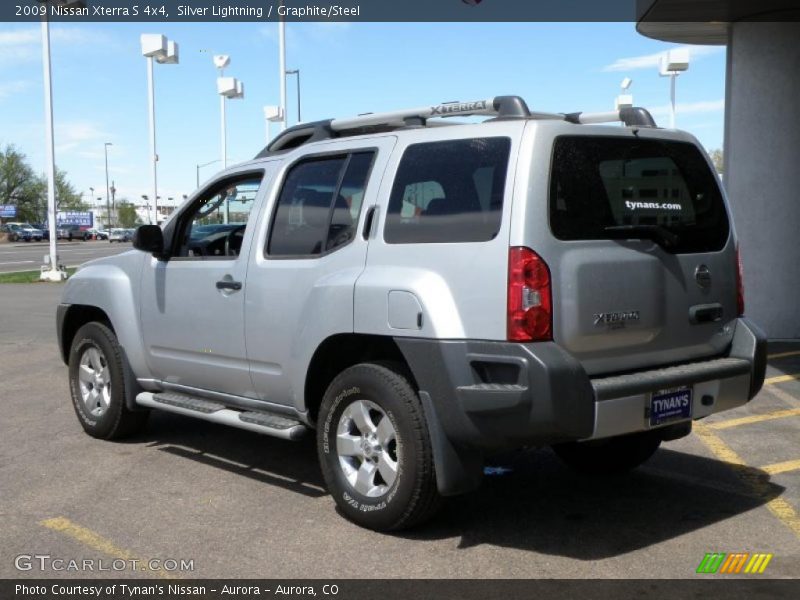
(266, 423)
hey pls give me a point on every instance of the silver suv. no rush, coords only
(423, 295)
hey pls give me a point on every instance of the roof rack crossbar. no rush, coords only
(634, 116)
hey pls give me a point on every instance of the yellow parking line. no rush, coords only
(781, 509)
(782, 467)
(784, 354)
(779, 414)
(95, 541)
(781, 379)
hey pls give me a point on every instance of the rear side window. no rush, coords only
(449, 191)
(319, 205)
(601, 186)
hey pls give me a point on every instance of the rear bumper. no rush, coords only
(483, 395)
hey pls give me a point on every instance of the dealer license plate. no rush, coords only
(670, 405)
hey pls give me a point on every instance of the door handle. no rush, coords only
(229, 285)
(371, 213)
(705, 313)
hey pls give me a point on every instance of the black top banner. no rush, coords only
(151, 11)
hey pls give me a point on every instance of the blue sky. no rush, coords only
(100, 86)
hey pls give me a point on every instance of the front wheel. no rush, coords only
(375, 450)
(610, 456)
(97, 384)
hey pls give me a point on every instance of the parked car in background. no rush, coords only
(44, 229)
(98, 234)
(72, 232)
(120, 235)
(23, 231)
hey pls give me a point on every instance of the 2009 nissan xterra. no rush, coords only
(420, 295)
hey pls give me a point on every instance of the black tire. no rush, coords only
(413, 496)
(611, 456)
(116, 420)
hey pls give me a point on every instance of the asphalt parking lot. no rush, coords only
(21, 256)
(243, 505)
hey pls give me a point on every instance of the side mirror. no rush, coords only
(149, 238)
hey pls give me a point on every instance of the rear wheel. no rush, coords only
(97, 384)
(610, 456)
(375, 450)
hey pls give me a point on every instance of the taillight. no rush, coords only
(739, 284)
(530, 310)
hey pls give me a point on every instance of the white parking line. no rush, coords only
(17, 262)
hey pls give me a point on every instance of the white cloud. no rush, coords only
(13, 87)
(24, 45)
(76, 134)
(687, 108)
(648, 61)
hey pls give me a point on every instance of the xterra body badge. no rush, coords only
(617, 319)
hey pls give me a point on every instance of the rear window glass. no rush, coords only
(449, 191)
(601, 185)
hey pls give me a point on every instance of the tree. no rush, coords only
(66, 196)
(717, 158)
(21, 187)
(126, 215)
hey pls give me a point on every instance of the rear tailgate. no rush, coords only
(643, 263)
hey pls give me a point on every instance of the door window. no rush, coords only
(450, 191)
(215, 224)
(319, 205)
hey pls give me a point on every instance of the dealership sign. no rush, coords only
(8, 211)
(83, 219)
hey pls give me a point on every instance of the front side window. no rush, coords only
(319, 205)
(215, 224)
(450, 191)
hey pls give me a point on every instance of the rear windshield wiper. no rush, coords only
(660, 235)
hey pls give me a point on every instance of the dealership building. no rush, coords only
(762, 137)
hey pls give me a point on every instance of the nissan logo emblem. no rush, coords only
(702, 276)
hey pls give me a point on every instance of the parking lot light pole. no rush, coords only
(156, 48)
(282, 69)
(108, 202)
(198, 167)
(297, 73)
(50, 272)
(673, 63)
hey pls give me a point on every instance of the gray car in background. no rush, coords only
(419, 296)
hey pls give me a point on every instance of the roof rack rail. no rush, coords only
(632, 116)
(500, 107)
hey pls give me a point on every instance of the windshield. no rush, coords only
(615, 187)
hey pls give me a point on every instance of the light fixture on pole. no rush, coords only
(227, 88)
(50, 271)
(108, 202)
(625, 99)
(673, 63)
(156, 48)
(297, 73)
(272, 114)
